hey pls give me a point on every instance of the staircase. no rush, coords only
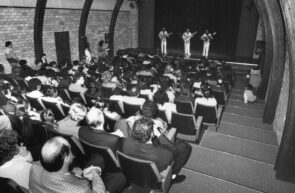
(239, 157)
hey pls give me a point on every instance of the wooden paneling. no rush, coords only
(285, 166)
(273, 66)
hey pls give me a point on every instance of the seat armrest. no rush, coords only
(171, 134)
(219, 112)
(198, 127)
(166, 178)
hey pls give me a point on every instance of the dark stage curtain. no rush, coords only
(221, 16)
(247, 31)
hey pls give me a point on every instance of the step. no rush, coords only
(236, 169)
(245, 112)
(241, 98)
(201, 183)
(238, 146)
(254, 134)
(237, 91)
(241, 104)
(246, 121)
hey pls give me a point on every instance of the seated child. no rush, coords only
(249, 96)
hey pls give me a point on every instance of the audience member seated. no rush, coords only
(15, 160)
(132, 99)
(94, 132)
(207, 99)
(165, 86)
(23, 109)
(249, 96)
(70, 124)
(35, 88)
(78, 84)
(54, 173)
(94, 89)
(161, 98)
(148, 143)
(51, 95)
(185, 94)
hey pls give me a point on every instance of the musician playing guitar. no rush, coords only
(187, 35)
(206, 38)
(163, 35)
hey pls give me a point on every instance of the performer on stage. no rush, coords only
(163, 35)
(187, 42)
(206, 37)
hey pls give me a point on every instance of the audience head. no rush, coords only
(134, 91)
(142, 130)
(249, 87)
(8, 44)
(95, 118)
(78, 78)
(9, 108)
(34, 84)
(16, 69)
(207, 93)
(149, 109)
(47, 116)
(165, 83)
(8, 145)
(160, 97)
(56, 155)
(51, 92)
(100, 43)
(5, 123)
(77, 112)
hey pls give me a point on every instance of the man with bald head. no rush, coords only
(53, 174)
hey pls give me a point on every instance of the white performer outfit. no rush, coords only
(206, 37)
(163, 35)
(187, 43)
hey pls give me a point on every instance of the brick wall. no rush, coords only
(17, 25)
(281, 110)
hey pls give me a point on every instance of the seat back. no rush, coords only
(162, 115)
(144, 96)
(130, 109)
(76, 96)
(208, 113)
(56, 109)
(107, 92)
(12, 61)
(219, 96)
(184, 107)
(10, 186)
(114, 106)
(23, 84)
(140, 172)
(109, 124)
(108, 155)
(185, 124)
(63, 93)
(35, 103)
(65, 109)
(90, 100)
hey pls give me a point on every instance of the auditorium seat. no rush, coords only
(145, 173)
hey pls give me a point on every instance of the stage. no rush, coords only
(197, 55)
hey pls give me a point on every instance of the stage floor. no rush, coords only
(212, 56)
